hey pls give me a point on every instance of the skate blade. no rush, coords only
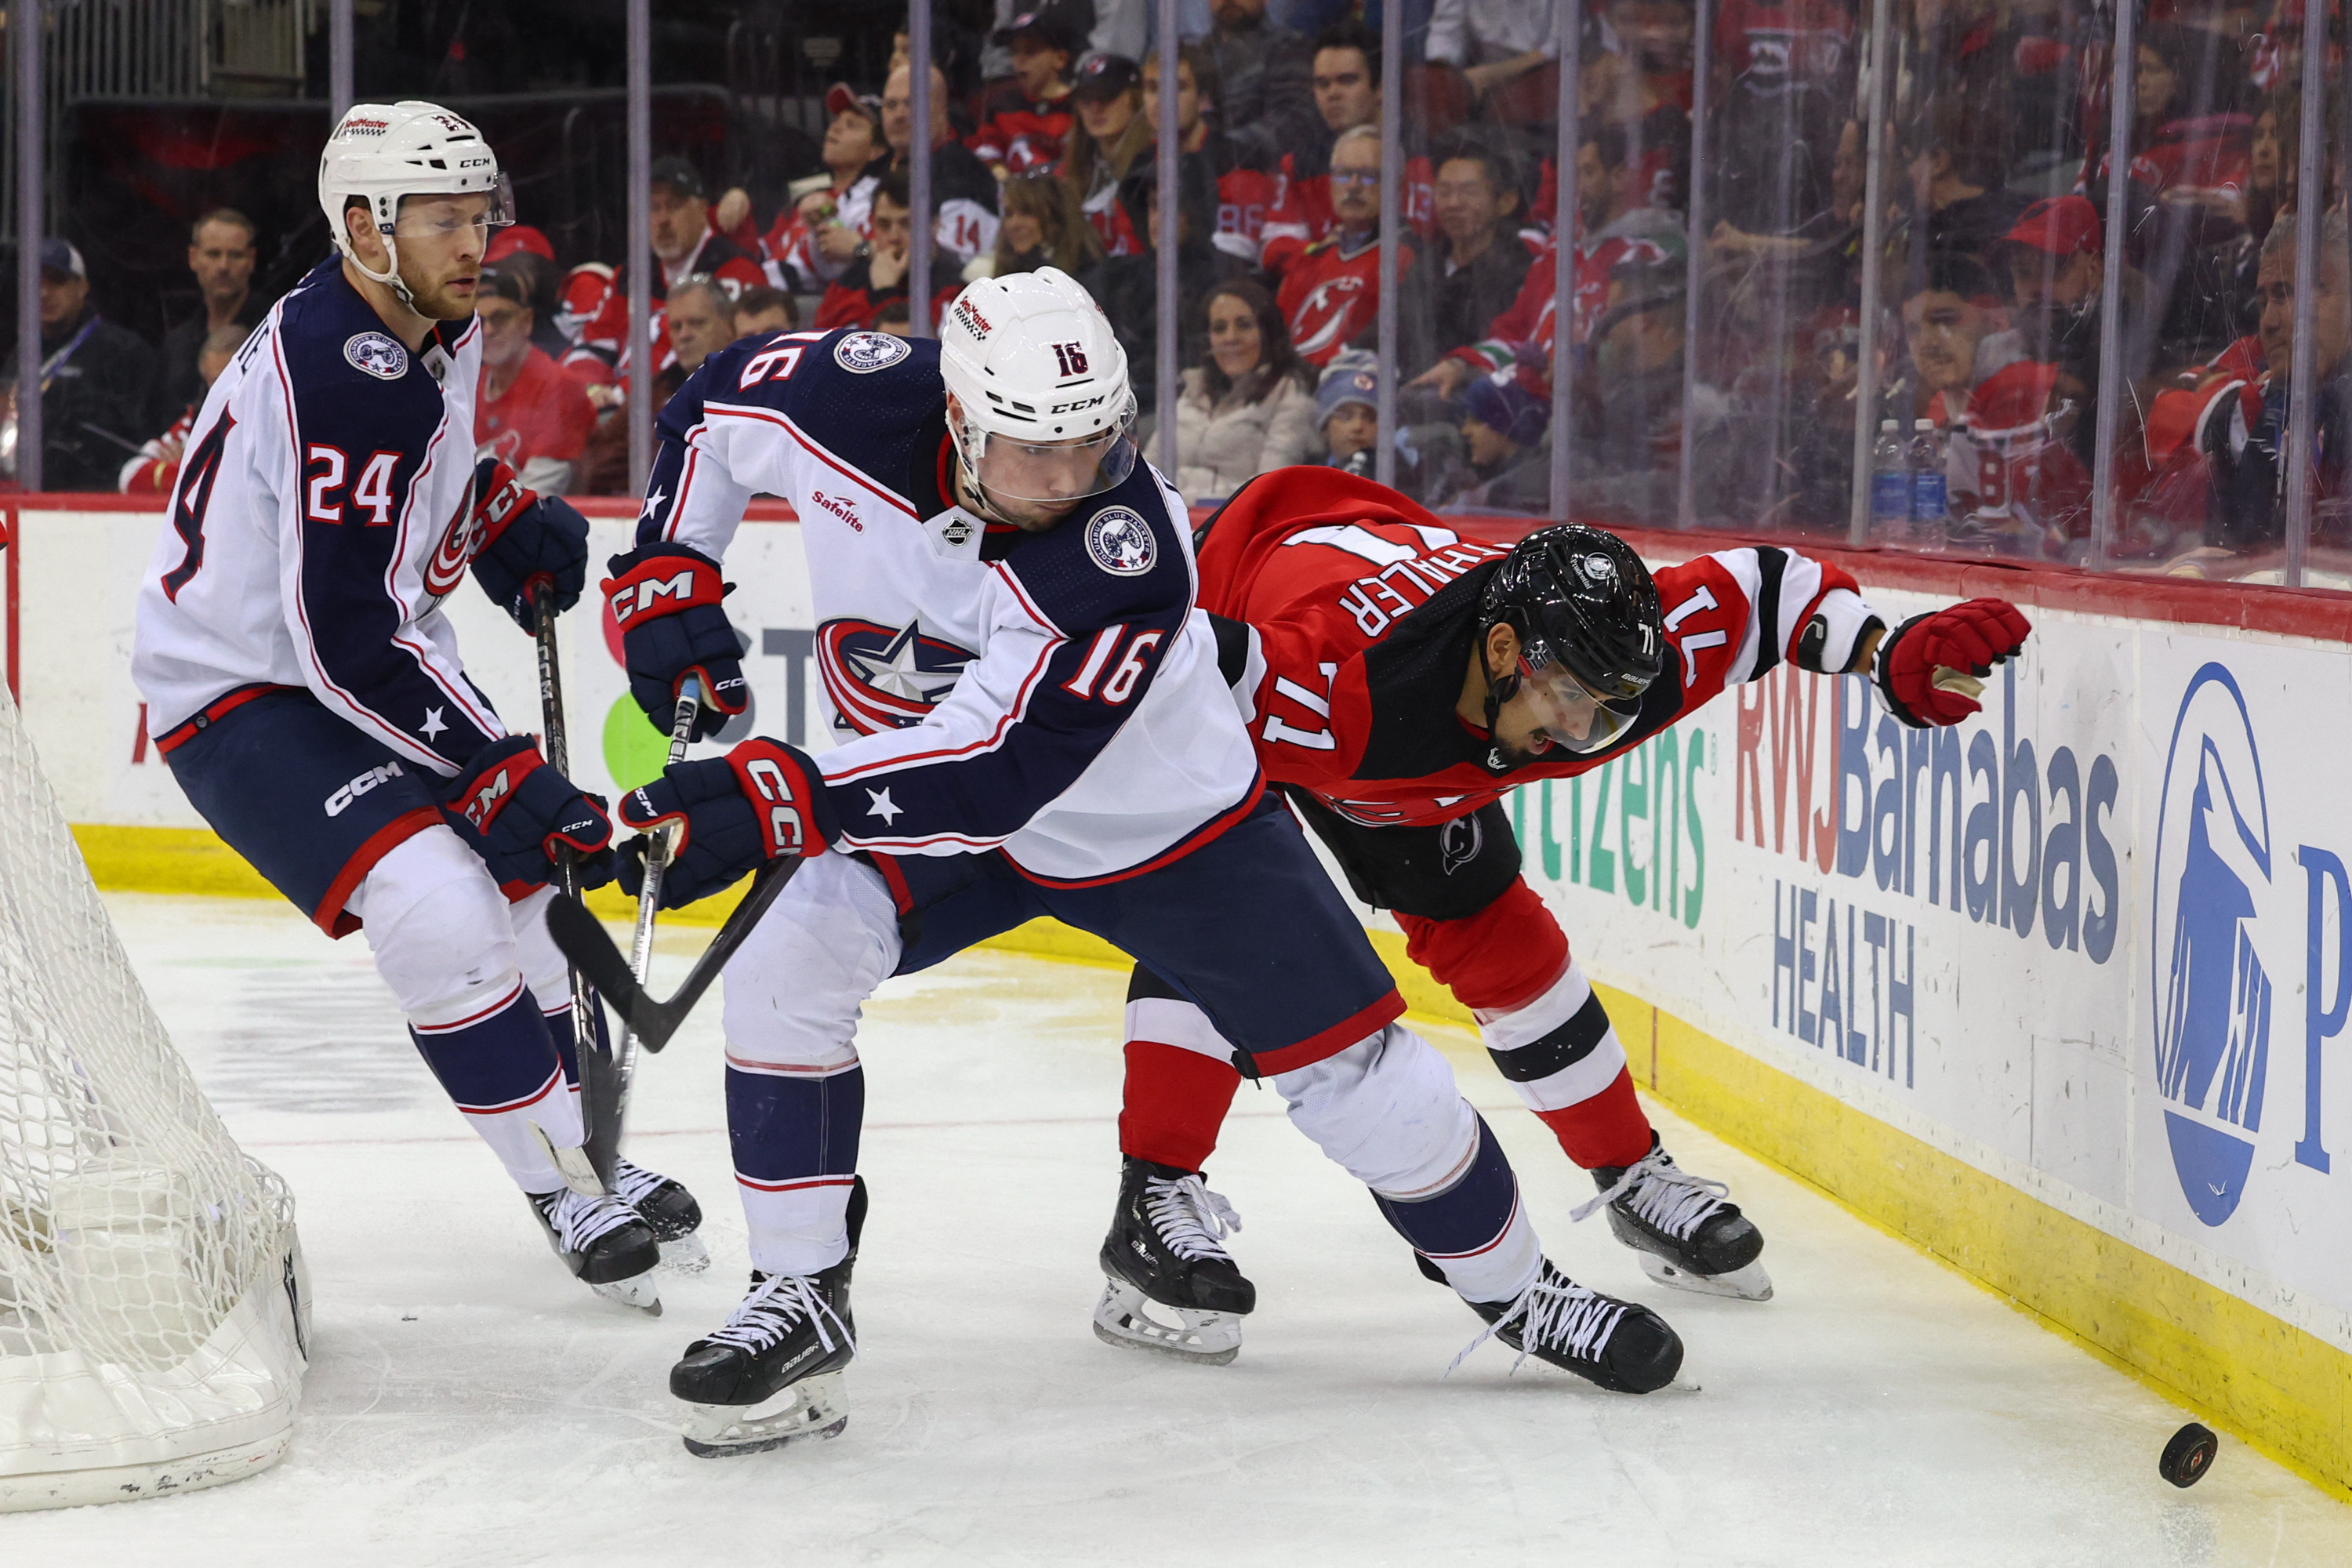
(811, 1410)
(1750, 1283)
(684, 1255)
(637, 1291)
(1124, 1318)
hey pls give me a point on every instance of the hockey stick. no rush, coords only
(603, 1093)
(652, 1021)
(657, 853)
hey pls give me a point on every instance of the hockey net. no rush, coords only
(153, 1316)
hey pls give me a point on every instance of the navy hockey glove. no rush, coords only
(516, 811)
(761, 802)
(1931, 668)
(665, 600)
(527, 539)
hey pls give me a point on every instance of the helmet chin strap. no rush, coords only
(1500, 688)
(969, 469)
(391, 279)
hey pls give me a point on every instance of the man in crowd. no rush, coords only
(221, 254)
(1347, 79)
(1265, 73)
(1957, 333)
(814, 236)
(881, 272)
(1956, 181)
(1331, 290)
(2054, 257)
(1244, 195)
(98, 381)
(1024, 120)
(1634, 427)
(963, 193)
(527, 412)
(684, 245)
(155, 467)
(760, 312)
(1476, 273)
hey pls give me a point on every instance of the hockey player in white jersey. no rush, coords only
(307, 692)
(1032, 723)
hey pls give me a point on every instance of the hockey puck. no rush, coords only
(2190, 1455)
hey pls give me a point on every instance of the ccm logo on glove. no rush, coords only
(641, 594)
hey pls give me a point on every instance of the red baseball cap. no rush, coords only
(514, 237)
(843, 99)
(2060, 226)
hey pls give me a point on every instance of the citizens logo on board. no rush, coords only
(2211, 984)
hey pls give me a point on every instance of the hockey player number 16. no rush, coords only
(777, 361)
(1123, 678)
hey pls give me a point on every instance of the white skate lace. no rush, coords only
(1664, 1194)
(579, 1220)
(1189, 1218)
(1558, 1312)
(775, 1306)
(633, 1183)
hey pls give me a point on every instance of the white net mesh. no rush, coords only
(130, 1224)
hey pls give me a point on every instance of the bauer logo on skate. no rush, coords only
(2211, 986)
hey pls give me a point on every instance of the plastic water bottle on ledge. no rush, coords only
(1890, 488)
(1929, 494)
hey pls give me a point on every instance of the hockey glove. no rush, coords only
(1931, 668)
(761, 802)
(527, 539)
(517, 812)
(665, 600)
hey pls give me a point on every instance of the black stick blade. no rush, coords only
(584, 940)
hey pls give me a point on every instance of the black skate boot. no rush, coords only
(771, 1373)
(1164, 1250)
(1623, 1347)
(603, 1243)
(1687, 1234)
(668, 1210)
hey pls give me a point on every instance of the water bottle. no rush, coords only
(1928, 495)
(1890, 485)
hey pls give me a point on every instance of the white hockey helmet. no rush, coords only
(380, 153)
(1048, 415)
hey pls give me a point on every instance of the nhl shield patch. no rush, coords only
(863, 353)
(379, 355)
(1121, 542)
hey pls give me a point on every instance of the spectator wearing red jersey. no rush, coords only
(880, 275)
(963, 193)
(1347, 79)
(1244, 195)
(156, 467)
(816, 236)
(1331, 290)
(1112, 135)
(1958, 334)
(684, 245)
(526, 411)
(1024, 123)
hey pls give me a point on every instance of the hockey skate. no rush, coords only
(603, 1243)
(770, 1375)
(1686, 1235)
(1623, 1347)
(1164, 1251)
(668, 1210)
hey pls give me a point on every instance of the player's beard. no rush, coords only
(435, 301)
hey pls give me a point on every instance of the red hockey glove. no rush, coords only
(1931, 668)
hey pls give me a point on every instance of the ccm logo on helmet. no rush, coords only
(652, 590)
(1083, 403)
(339, 802)
(1073, 358)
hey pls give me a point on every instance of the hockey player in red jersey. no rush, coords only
(1398, 680)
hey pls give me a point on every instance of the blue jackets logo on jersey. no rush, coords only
(1121, 542)
(886, 678)
(865, 353)
(2212, 990)
(379, 355)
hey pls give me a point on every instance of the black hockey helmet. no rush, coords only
(1591, 635)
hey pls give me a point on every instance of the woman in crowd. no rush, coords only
(1042, 227)
(1248, 408)
(1111, 133)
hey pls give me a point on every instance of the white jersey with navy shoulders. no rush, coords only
(1052, 694)
(324, 509)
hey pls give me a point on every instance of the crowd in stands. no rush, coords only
(1723, 388)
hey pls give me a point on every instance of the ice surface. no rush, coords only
(470, 1403)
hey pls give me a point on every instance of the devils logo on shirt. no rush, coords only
(886, 678)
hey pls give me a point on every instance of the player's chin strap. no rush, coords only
(1500, 688)
(391, 280)
(966, 476)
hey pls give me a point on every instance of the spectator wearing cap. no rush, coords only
(1042, 227)
(98, 381)
(882, 272)
(1265, 75)
(1347, 415)
(1246, 408)
(221, 254)
(1331, 290)
(154, 468)
(764, 312)
(963, 193)
(2055, 262)
(1506, 429)
(1244, 195)
(1112, 135)
(526, 410)
(684, 245)
(1128, 287)
(1024, 120)
(526, 254)
(817, 236)
(1346, 83)
(1476, 273)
